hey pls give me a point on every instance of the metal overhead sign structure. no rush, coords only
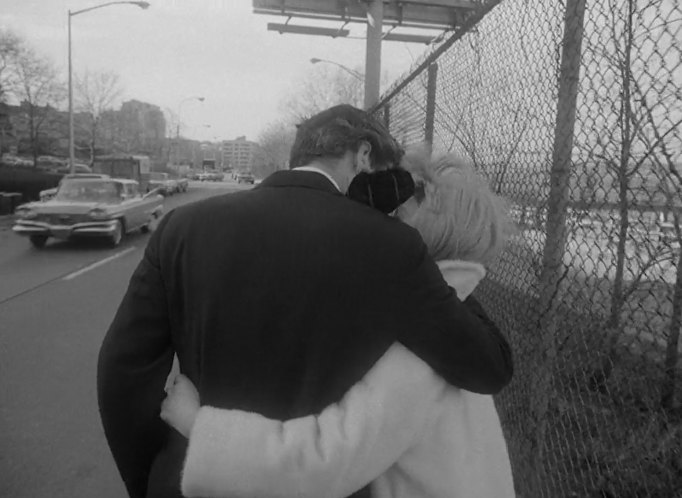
(432, 14)
(424, 14)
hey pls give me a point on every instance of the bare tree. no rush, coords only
(629, 151)
(670, 183)
(672, 354)
(275, 143)
(40, 89)
(96, 93)
(327, 86)
(10, 47)
(635, 105)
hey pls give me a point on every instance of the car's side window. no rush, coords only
(133, 190)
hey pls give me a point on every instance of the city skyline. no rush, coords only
(175, 49)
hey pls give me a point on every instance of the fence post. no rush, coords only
(430, 104)
(671, 352)
(552, 272)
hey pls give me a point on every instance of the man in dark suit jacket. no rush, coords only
(278, 299)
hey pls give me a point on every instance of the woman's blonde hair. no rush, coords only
(458, 215)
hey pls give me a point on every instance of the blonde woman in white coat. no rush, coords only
(402, 428)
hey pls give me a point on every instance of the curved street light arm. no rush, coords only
(142, 5)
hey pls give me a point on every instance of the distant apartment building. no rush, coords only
(239, 153)
(137, 127)
(142, 127)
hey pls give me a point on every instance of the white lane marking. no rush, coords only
(101, 262)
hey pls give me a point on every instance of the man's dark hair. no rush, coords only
(338, 129)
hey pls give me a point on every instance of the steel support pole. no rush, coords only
(553, 270)
(430, 105)
(72, 151)
(375, 19)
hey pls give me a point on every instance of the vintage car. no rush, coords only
(668, 235)
(211, 176)
(89, 207)
(163, 182)
(245, 178)
(183, 184)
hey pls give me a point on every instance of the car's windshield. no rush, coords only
(89, 191)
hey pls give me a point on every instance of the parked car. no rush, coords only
(89, 207)
(78, 168)
(163, 182)
(21, 162)
(173, 185)
(589, 223)
(210, 176)
(245, 178)
(51, 162)
(183, 183)
(668, 234)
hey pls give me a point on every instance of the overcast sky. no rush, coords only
(217, 49)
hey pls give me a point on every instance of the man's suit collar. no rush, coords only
(305, 179)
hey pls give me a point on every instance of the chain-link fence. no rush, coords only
(572, 109)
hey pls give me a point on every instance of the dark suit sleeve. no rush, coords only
(458, 340)
(134, 362)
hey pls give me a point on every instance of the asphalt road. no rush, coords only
(55, 306)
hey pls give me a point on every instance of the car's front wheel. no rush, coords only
(117, 235)
(38, 241)
(150, 226)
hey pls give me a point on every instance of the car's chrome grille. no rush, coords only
(62, 219)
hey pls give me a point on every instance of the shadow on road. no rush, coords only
(90, 243)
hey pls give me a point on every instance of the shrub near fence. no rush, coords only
(27, 181)
(572, 110)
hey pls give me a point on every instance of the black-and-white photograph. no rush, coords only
(341, 249)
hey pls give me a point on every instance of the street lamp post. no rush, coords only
(72, 152)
